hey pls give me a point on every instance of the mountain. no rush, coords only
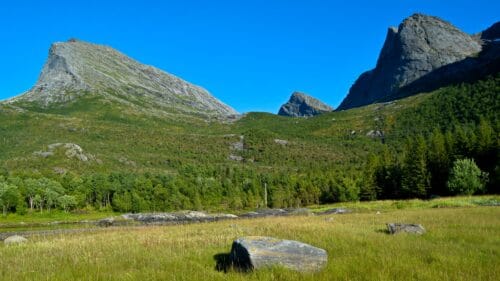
(420, 45)
(75, 69)
(303, 105)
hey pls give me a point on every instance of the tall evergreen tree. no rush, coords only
(416, 179)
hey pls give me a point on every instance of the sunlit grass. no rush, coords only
(460, 244)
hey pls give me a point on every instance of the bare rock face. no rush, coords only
(77, 68)
(254, 252)
(303, 105)
(420, 45)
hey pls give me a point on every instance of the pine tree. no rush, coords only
(415, 181)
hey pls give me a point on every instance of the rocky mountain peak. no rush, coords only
(75, 68)
(418, 46)
(303, 105)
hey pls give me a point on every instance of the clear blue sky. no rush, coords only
(250, 54)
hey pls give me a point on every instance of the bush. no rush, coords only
(466, 178)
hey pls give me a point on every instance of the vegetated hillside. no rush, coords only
(108, 155)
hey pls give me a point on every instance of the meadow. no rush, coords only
(462, 243)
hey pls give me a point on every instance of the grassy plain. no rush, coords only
(462, 243)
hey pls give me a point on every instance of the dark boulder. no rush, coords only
(395, 228)
(254, 252)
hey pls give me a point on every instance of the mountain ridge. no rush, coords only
(76, 68)
(303, 105)
(420, 45)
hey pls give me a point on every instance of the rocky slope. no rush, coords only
(77, 68)
(420, 45)
(302, 105)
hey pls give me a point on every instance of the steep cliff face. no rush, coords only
(302, 105)
(77, 68)
(420, 45)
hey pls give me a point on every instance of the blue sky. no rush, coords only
(250, 54)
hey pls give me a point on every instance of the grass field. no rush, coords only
(462, 243)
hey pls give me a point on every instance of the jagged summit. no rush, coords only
(418, 46)
(303, 105)
(75, 68)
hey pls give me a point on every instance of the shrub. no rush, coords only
(466, 178)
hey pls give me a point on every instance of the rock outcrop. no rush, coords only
(254, 252)
(302, 105)
(77, 68)
(420, 45)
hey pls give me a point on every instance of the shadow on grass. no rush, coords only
(223, 262)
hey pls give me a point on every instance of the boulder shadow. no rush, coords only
(223, 262)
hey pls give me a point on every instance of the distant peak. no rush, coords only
(75, 68)
(420, 45)
(303, 105)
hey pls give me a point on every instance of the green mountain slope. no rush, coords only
(202, 163)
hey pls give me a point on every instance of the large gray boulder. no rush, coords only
(303, 105)
(15, 239)
(254, 252)
(420, 45)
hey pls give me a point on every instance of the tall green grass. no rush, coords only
(460, 244)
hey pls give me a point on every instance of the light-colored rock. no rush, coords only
(15, 239)
(236, 158)
(281, 142)
(254, 252)
(71, 150)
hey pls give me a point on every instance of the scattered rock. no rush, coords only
(59, 170)
(125, 161)
(72, 151)
(15, 239)
(179, 217)
(281, 142)
(43, 154)
(375, 134)
(236, 158)
(254, 252)
(395, 228)
(106, 222)
(334, 211)
(239, 145)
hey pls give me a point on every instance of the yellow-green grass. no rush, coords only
(461, 244)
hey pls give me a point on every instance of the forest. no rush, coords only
(446, 145)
